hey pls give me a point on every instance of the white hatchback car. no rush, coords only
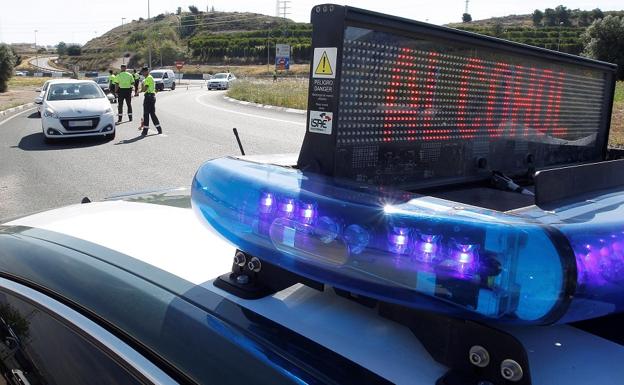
(74, 108)
(220, 81)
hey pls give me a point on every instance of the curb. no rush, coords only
(269, 107)
(15, 109)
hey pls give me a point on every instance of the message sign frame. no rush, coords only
(319, 149)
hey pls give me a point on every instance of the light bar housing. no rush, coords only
(420, 251)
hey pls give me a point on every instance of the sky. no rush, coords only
(77, 21)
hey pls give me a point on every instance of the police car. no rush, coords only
(349, 263)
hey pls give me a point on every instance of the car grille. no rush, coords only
(69, 127)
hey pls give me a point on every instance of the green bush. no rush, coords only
(7, 61)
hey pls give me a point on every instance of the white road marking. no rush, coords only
(16, 115)
(198, 100)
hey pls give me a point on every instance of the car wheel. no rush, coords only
(173, 86)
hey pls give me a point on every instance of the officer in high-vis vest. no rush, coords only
(149, 102)
(125, 83)
(112, 83)
(137, 80)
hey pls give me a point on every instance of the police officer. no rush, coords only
(125, 82)
(149, 102)
(137, 79)
(112, 83)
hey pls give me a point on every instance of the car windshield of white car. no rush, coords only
(220, 76)
(74, 92)
(157, 75)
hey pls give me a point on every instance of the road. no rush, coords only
(42, 62)
(197, 126)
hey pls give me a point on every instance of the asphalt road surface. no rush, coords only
(42, 62)
(197, 126)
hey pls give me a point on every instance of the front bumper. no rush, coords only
(67, 126)
(217, 86)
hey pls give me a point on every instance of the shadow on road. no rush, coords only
(34, 115)
(135, 139)
(35, 142)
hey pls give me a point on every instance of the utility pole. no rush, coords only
(282, 7)
(466, 10)
(149, 41)
(123, 56)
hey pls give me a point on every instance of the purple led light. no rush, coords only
(307, 213)
(463, 258)
(287, 207)
(426, 247)
(398, 239)
(266, 202)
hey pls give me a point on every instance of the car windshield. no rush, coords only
(157, 75)
(220, 76)
(74, 91)
(102, 80)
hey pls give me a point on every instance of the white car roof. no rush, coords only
(174, 240)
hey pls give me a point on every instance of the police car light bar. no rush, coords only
(396, 246)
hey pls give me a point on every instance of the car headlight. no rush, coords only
(50, 113)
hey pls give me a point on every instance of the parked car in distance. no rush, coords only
(73, 108)
(163, 79)
(21, 73)
(220, 81)
(104, 84)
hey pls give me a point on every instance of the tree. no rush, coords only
(604, 40)
(466, 18)
(563, 15)
(61, 48)
(584, 19)
(597, 14)
(537, 17)
(18, 57)
(550, 17)
(7, 61)
(74, 50)
(498, 30)
(212, 9)
(193, 9)
(179, 11)
(187, 25)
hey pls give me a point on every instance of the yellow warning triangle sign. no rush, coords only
(324, 67)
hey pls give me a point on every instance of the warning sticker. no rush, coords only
(324, 63)
(321, 122)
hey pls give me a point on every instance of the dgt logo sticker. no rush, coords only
(321, 122)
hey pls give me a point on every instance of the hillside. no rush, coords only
(558, 29)
(204, 37)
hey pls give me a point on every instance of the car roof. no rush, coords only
(160, 230)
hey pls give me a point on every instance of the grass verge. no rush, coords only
(289, 93)
(616, 137)
(26, 81)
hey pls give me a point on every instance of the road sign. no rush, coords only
(282, 63)
(179, 64)
(282, 50)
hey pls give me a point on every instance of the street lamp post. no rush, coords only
(149, 43)
(559, 38)
(268, 48)
(36, 52)
(123, 56)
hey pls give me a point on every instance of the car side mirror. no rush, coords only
(38, 101)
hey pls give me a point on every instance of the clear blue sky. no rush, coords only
(79, 21)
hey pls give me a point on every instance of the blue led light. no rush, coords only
(397, 247)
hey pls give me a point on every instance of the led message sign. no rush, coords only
(402, 103)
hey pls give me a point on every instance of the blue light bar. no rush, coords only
(405, 248)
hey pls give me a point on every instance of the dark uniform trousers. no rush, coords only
(149, 109)
(124, 94)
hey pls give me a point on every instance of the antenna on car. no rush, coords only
(240, 145)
